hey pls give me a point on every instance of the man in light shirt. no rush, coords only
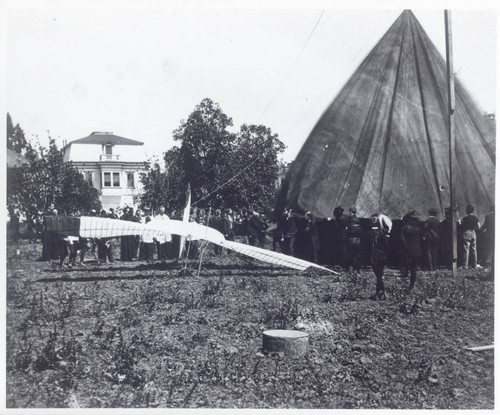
(164, 242)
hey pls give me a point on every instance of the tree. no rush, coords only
(224, 169)
(254, 168)
(15, 136)
(154, 186)
(164, 186)
(47, 179)
(205, 147)
(75, 193)
(177, 180)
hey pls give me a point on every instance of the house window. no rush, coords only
(107, 179)
(108, 152)
(111, 179)
(89, 177)
(130, 180)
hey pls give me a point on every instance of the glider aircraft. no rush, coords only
(96, 227)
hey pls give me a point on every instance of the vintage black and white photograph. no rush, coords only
(249, 205)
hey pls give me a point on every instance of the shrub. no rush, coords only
(284, 316)
(352, 290)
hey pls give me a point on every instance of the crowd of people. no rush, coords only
(239, 223)
(344, 240)
(351, 242)
(131, 247)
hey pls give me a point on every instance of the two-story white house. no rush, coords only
(111, 164)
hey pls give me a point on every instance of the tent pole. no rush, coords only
(451, 134)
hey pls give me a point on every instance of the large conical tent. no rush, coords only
(383, 144)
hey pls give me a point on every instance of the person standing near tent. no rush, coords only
(353, 249)
(288, 233)
(276, 232)
(469, 227)
(488, 229)
(339, 236)
(254, 228)
(380, 231)
(313, 233)
(446, 232)
(431, 240)
(410, 236)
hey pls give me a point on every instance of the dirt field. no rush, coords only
(138, 335)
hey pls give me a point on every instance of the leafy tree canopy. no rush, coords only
(15, 136)
(205, 146)
(47, 179)
(255, 160)
(224, 169)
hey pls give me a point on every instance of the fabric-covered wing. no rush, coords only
(271, 257)
(93, 227)
(191, 230)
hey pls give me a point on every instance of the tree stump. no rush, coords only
(291, 342)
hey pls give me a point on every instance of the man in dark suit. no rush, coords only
(410, 235)
(431, 239)
(339, 237)
(469, 228)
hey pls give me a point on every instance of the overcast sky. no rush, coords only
(139, 68)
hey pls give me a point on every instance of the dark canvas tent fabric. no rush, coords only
(383, 146)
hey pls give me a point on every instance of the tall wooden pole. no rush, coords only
(451, 134)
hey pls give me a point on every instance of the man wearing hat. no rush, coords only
(469, 228)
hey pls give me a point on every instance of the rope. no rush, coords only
(279, 88)
(327, 90)
(291, 68)
(225, 183)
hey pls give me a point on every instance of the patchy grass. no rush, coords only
(136, 335)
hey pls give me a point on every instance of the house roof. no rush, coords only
(100, 137)
(15, 159)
